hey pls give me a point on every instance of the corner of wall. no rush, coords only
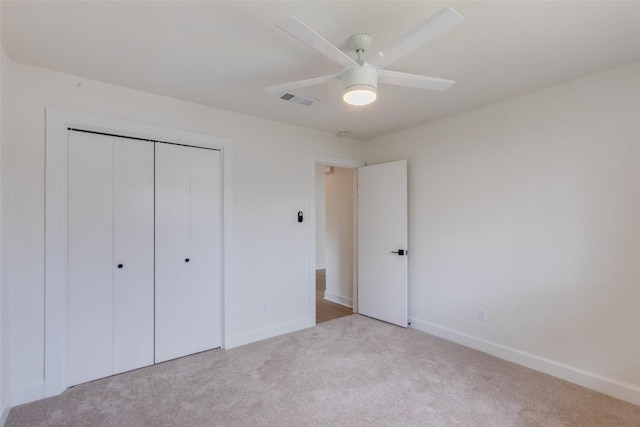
(5, 392)
(4, 414)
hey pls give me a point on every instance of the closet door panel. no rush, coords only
(172, 294)
(206, 241)
(133, 249)
(90, 257)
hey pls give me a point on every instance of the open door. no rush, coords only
(382, 242)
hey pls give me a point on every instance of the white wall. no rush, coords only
(271, 184)
(339, 236)
(321, 261)
(530, 210)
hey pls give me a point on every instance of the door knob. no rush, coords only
(400, 252)
(120, 265)
(186, 260)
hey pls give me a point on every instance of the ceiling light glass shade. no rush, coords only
(360, 85)
(360, 95)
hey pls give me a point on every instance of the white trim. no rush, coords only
(270, 332)
(342, 163)
(609, 386)
(338, 299)
(4, 415)
(57, 123)
(321, 266)
(27, 394)
(5, 412)
(354, 301)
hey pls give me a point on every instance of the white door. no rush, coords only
(382, 242)
(133, 245)
(110, 217)
(90, 257)
(172, 296)
(188, 250)
(206, 250)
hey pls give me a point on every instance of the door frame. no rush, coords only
(57, 124)
(317, 160)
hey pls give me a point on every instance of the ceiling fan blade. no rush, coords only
(285, 87)
(413, 80)
(306, 35)
(437, 24)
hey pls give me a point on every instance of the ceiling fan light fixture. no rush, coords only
(360, 86)
(360, 78)
(360, 95)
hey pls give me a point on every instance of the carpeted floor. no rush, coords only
(349, 371)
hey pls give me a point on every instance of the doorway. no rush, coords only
(334, 253)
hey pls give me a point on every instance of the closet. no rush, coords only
(144, 253)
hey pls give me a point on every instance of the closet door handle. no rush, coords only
(186, 260)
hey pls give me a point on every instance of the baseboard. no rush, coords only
(609, 386)
(321, 266)
(338, 299)
(270, 332)
(27, 394)
(5, 412)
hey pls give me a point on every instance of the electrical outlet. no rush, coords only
(481, 315)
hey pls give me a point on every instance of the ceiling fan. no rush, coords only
(361, 77)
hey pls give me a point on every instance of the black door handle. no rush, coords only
(186, 260)
(120, 265)
(400, 252)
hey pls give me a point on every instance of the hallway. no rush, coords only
(327, 310)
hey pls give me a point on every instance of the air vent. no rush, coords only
(298, 99)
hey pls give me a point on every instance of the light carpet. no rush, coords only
(351, 371)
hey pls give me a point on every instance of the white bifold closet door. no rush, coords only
(110, 244)
(188, 250)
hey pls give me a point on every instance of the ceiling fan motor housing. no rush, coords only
(360, 42)
(360, 76)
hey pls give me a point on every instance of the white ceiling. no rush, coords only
(224, 54)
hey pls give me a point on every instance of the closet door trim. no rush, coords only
(58, 123)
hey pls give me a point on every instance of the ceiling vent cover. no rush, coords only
(298, 99)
